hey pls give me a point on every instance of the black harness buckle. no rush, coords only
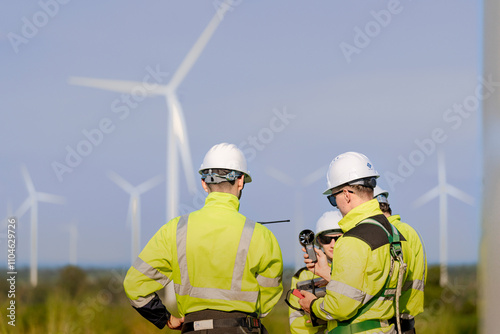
(252, 322)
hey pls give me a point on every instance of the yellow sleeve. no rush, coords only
(270, 270)
(152, 269)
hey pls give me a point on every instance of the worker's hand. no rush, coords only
(175, 323)
(322, 267)
(305, 302)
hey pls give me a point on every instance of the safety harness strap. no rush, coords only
(348, 327)
(356, 328)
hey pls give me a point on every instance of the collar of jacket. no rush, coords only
(222, 200)
(394, 219)
(359, 213)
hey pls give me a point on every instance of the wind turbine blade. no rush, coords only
(121, 86)
(182, 141)
(49, 198)
(197, 48)
(314, 176)
(431, 194)
(459, 194)
(28, 181)
(23, 208)
(149, 184)
(280, 176)
(120, 181)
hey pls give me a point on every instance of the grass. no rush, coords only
(70, 300)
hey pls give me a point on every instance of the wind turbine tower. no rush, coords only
(177, 138)
(442, 190)
(31, 203)
(299, 185)
(73, 242)
(134, 209)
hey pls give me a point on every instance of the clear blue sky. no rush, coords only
(379, 77)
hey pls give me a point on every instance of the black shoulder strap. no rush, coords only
(297, 274)
(373, 234)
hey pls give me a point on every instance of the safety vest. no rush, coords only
(217, 258)
(360, 295)
(412, 298)
(298, 319)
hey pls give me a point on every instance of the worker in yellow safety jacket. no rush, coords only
(226, 269)
(412, 298)
(327, 233)
(368, 268)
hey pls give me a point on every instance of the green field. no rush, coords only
(71, 300)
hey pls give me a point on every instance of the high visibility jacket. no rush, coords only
(217, 259)
(298, 319)
(361, 291)
(412, 297)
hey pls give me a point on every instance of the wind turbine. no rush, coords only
(134, 209)
(177, 139)
(72, 229)
(442, 190)
(299, 202)
(31, 203)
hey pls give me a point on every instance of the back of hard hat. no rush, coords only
(381, 195)
(226, 156)
(329, 222)
(347, 168)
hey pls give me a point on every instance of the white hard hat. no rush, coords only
(381, 195)
(329, 222)
(350, 168)
(226, 156)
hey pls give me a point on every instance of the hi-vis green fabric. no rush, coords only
(298, 319)
(412, 297)
(360, 273)
(217, 259)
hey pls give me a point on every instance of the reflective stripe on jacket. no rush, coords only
(360, 272)
(412, 297)
(298, 319)
(217, 258)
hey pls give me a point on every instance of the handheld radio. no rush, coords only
(306, 239)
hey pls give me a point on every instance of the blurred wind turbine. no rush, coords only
(177, 139)
(31, 203)
(72, 228)
(299, 185)
(442, 190)
(134, 209)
